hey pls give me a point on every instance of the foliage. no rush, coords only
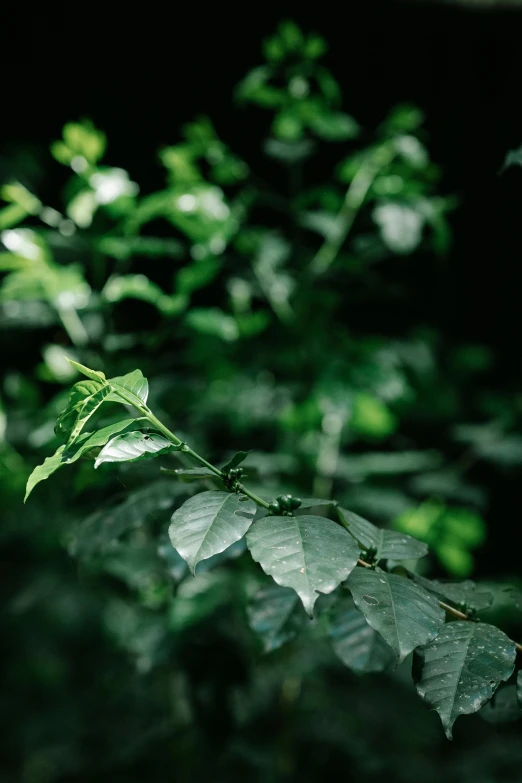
(275, 312)
(458, 667)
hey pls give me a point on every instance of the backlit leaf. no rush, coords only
(133, 385)
(85, 443)
(133, 446)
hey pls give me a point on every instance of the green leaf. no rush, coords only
(208, 523)
(463, 594)
(66, 455)
(276, 615)
(94, 375)
(333, 126)
(43, 471)
(134, 384)
(84, 400)
(402, 612)
(461, 669)
(503, 707)
(133, 446)
(236, 460)
(99, 532)
(383, 544)
(213, 321)
(310, 554)
(519, 689)
(355, 642)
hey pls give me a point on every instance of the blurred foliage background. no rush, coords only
(304, 239)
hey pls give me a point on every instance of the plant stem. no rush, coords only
(353, 201)
(73, 326)
(202, 461)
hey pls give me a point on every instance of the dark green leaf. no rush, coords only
(461, 669)
(384, 544)
(519, 689)
(98, 533)
(355, 642)
(463, 594)
(236, 460)
(133, 446)
(208, 523)
(276, 615)
(310, 554)
(404, 613)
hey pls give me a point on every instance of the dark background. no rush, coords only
(140, 75)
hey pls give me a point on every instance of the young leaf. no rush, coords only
(461, 669)
(310, 554)
(133, 446)
(98, 533)
(503, 707)
(84, 399)
(401, 611)
(236, 460)
(133, 385)
(43, 471)
(94, 375)
(355, 642)
(276, 615)
(385, 544)
(208, 523)
(67, 455)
